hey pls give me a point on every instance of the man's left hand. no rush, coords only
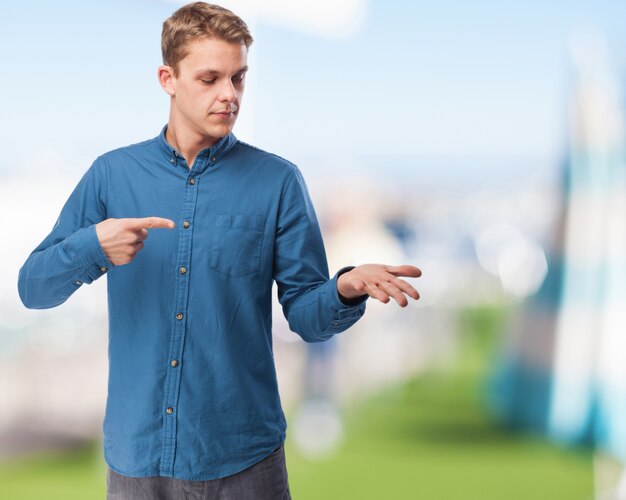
(380, 282)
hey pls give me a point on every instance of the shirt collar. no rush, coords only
(214, 153)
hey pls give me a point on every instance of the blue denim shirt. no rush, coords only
(192, 390)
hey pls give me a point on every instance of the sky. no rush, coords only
(414, 85)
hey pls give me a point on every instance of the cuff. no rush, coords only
(92, 255)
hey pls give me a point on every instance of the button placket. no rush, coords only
(179, 327)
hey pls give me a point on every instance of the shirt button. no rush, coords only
(179, 316)
(172, 160)
(78, 283)
(103, 269)
(174, 363)
(183, 270)
(214, 159)
(192, 181)
(186, 224)
(169, 410)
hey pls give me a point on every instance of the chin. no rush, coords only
(219, 132)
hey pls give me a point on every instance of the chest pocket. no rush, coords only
(236, 244)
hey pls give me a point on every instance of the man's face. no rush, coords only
(209, 87)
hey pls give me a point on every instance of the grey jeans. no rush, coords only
(265, 480)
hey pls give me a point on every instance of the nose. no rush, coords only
(227, 91)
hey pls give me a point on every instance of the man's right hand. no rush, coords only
(121, 239)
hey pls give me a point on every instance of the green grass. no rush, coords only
(431, 438)
(77, 475)
(428, 438)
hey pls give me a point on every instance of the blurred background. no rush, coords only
(481, 141)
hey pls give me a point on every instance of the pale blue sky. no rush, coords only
(446, 80)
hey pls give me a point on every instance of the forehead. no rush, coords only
(213, 54)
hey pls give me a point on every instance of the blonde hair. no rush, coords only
(199, 20)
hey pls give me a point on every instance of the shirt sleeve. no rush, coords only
(71, 254)
(310, 300)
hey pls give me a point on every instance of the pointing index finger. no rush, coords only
(151, 223)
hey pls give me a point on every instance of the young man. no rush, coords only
(193, 409)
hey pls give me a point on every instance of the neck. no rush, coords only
(187, 142)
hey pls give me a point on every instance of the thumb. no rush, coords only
(358, 285)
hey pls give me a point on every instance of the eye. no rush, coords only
(208, 82)
(239, 78)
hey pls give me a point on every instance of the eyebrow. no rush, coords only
(208, 71)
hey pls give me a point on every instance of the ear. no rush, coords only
(167, 79)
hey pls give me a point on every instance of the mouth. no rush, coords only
(226, 113)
